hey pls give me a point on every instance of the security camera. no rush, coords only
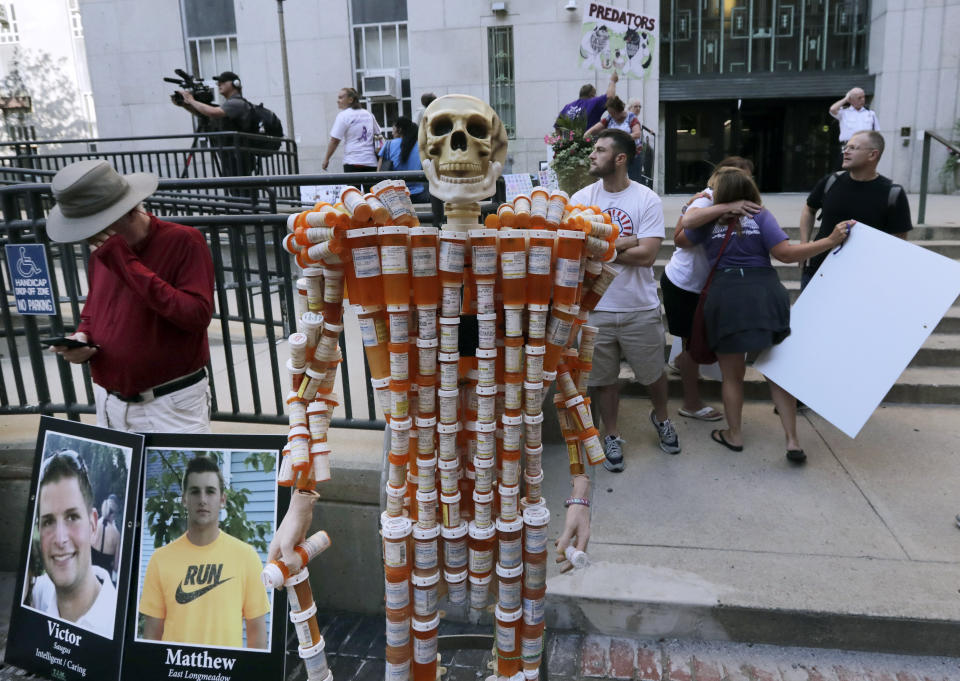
(571, 6)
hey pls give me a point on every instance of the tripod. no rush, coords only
(203, 125)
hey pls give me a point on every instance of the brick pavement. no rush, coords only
(355, 643)
(355, 652)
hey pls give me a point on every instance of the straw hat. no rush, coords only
(91, 196)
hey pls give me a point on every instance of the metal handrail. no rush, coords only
(95, 140)
(925, 169)
(248, 262)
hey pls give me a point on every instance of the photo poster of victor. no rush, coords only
(197, 606)
(617, 39)
(68, 611)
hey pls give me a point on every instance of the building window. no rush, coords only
(212, 56)
(9, 32)
(381, 58)
(76, 25)
(502, 88)
(210, 27)
(701, 37)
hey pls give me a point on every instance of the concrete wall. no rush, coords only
(912, 52)
(916, 55)
(545, 40)
(132, 100)
(131, 46)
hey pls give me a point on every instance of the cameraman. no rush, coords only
(232, 115)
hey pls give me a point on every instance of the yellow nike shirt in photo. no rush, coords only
(203, 593)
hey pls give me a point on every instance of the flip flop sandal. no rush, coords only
(717, 436)
(702, 414)
(796, 455)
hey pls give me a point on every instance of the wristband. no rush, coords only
(576, 501)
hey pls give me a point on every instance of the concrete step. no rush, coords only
(919, 384)
(949, 248)
(939, 350)
(918, 233)
(790, 278)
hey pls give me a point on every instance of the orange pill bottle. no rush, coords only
(539, 200)
(425, 648)
(567, 266)
(539, 280)
(393, 264)
(508, 641)
(367, 287)
(423, 261)
(513, 266)
(451, 256)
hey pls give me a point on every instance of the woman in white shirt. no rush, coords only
(683, 279)
(358, 130)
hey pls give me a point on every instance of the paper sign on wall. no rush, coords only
(859, 322)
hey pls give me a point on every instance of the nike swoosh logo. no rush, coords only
(184, 597)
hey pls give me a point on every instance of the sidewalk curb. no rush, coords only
(780, 627)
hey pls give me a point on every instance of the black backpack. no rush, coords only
(892, 197)
(262, 121)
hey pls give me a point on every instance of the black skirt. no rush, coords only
(680, 305)
(747, 309)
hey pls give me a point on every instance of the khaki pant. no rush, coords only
(185, 411)
(637, 335)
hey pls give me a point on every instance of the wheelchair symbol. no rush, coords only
(25, 265)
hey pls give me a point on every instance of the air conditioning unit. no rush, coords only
(381, 85)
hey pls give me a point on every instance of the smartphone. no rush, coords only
(68, 342)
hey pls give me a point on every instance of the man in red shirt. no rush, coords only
(149, 303)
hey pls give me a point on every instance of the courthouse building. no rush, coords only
(753, 77)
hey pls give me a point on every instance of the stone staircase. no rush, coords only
(933, 375)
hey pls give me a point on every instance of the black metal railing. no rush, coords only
(952, 148)
(213, 154)
(253, 300)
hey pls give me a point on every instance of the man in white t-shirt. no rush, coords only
(628, 315)
(853, 116)
(72, 588)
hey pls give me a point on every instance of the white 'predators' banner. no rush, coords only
(617, 39)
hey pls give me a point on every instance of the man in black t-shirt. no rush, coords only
(859, 193)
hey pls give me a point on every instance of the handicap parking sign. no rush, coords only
(30, 279)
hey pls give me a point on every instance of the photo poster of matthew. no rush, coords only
(66, 623)
(209, 508)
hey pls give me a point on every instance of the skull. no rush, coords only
(462, 148)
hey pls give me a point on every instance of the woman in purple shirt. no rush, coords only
(747, 308)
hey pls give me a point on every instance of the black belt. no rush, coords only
(164, 388)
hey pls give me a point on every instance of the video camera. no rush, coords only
(200, 92)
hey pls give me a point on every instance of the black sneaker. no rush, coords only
(614, 454)
(669, 442)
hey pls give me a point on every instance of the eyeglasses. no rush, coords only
(853, 147)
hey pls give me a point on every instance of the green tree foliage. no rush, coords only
(166, 519)
(57, 112)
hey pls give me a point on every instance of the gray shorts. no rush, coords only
(638, 336)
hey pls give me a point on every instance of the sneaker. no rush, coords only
(614, 454)
(668, 434)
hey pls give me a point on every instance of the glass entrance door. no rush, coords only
(789, 141)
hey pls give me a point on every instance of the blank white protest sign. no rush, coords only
(858, 324)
